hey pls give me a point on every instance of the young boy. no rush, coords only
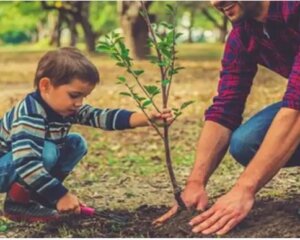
(37, 151)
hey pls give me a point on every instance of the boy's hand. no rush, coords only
(69, 203)
(158, 118)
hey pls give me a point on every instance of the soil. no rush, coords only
(268, 219)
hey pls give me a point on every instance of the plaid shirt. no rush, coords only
(273, 44)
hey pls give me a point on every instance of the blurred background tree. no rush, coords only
(82, 23)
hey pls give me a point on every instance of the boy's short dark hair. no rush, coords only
(65, 64)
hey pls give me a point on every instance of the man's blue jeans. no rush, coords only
(54, 159)
(246, 139)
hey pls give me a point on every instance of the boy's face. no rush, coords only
(65, 99)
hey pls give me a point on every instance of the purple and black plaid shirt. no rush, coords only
(275, 45)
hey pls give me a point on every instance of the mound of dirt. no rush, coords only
(269, 218)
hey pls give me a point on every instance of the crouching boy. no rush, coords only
(37, 152)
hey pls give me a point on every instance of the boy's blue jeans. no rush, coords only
(54, 159)
(246, 139)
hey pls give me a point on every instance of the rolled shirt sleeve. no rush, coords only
(236, 77)
(291, 17)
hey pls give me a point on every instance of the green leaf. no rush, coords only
(166, 25)
(165, 82)
(170, 37)
(102, 43)
(167, 53)
(116, 56)
(171, 9)
(177, 114)
(104, 48)
(149, 43)
(138, 72)
(120, 64)
(122, 79)
(125, 94)
(185, 104)
(162, 64)
(146, 103)
(138, 98)
(152, 90)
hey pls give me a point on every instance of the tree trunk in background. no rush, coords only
(222, 27)
(72, 26)
(134, 27)
(56, 33)
(190, 29)
(73, 12)
(82, 16)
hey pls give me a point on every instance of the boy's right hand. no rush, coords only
(69, 203)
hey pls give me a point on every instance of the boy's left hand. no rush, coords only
(158, 118)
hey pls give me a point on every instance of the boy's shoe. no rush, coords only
(19, 206)
(28, 212)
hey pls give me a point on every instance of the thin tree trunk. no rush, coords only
(223, 30)
(82, 16)
(192, 20)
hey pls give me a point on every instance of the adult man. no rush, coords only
(266, 33)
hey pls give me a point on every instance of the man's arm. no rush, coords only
(211, 148)
(224, 115)
(279, 144)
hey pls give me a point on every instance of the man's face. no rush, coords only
(236, 10)
(68, 98)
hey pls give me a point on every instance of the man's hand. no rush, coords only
(194, 195)
(225, 214)
(69, 203)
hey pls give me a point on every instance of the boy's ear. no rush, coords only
(44, 84)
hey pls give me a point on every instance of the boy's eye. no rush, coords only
(74, 95)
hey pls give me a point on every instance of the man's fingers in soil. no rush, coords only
(201, 206)
(218, 225)
(202, 217)
(229, 225)
(166, 216)
(208, 222)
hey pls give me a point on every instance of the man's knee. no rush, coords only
(242, 147)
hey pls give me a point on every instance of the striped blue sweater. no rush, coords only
(24, 129)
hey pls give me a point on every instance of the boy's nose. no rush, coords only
(78, 104)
